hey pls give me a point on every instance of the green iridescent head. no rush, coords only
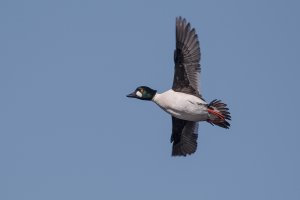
(143, 93)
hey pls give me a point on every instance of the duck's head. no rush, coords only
(143, 93)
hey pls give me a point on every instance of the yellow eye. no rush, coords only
(142, 90)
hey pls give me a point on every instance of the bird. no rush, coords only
(184, 101)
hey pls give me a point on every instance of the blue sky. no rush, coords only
(68, 131)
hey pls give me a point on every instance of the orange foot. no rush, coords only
(216, 113)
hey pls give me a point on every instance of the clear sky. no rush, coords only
(68, 131)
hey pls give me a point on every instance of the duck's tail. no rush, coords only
(218, 114)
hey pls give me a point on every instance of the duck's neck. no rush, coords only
(156, 97)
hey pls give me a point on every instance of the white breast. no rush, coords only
(182, 106)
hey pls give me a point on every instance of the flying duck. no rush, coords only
(184, 101)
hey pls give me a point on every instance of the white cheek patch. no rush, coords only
(139, 94)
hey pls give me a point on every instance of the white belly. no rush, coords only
(182, 106)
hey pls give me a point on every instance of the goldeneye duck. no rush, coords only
(184, 101)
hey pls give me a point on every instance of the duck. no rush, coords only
(184, 101)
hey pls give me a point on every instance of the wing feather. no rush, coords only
(184, 137)
(186, 57)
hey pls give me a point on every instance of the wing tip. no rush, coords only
(177, 151)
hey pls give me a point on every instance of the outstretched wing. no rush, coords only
(184, 137)
(186, 57)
